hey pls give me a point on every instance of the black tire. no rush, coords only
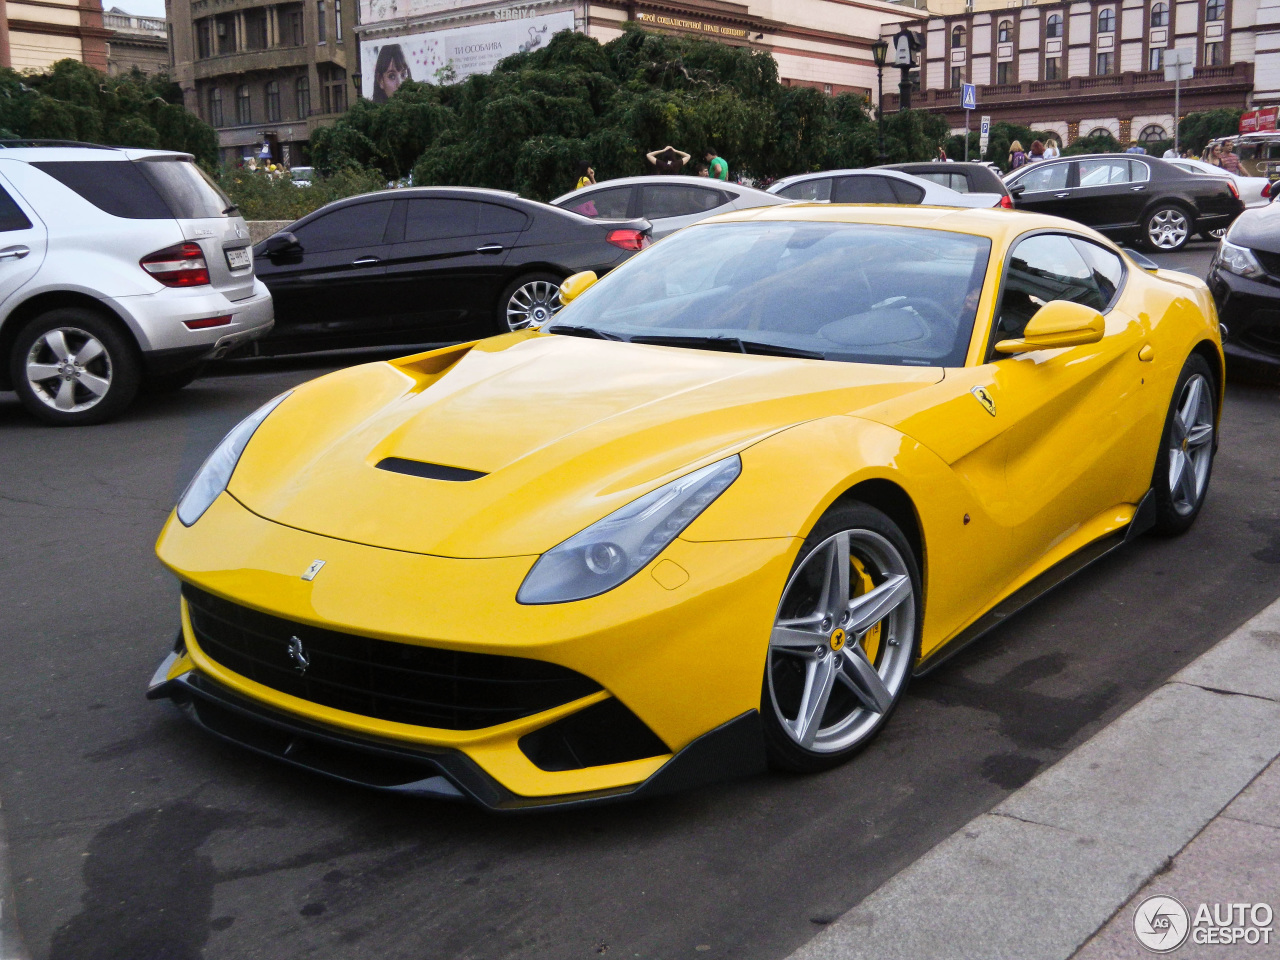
(1167, 214)
(173, 380)
(71, 398)
(783, 750)
(1213, 236)
(540, 311)
(1175, 513)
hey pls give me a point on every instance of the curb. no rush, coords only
(1039, 874)
(11, 947)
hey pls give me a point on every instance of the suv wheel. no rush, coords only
(1166, 228)
(72, 366)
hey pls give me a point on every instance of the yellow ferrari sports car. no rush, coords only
(710, 519)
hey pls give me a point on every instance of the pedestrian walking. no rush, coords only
(717, 166)
(586, 175)
(1037, 151)
(668, 160)
(1017, 156)
(1229, 160)
(1051, 150)
(1214, 156)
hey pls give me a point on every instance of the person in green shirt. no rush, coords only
(717, 166)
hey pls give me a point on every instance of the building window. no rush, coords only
(1004, 72)
(957, 38)
(255, 29)
(244, 106)
(296, 36)
(337, 20)
(204, 39)
(826, 88)
(225, 29)
(1153, 133)
(1160, 15)
(322, 32)
(1213, 54)
(333, 91)
(215, 107)
(302, 89)
(1004, 32)
(1052, 67)
(1215, 9)
(273, 101)
(1107, 21)
(1053, 26)
(1104, 63)
(957, 77)
(1156, 59)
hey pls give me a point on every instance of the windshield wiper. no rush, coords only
(729, 345)
(569, 330)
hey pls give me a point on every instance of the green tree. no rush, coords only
(1197, 129)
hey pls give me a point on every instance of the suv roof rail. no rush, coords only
(11, 144)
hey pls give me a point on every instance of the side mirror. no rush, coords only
(1059, 323)
(279, 244)
(1017, 190)
(577, 285)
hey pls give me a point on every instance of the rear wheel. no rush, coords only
(1215, 235)
(1166, 228)
(73, 366)
(1185, 461)
(844, 640)
(529, 301)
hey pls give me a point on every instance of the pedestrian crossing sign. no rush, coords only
(968, 96)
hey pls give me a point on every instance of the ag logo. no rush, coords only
(1161, 924)
(984, 398)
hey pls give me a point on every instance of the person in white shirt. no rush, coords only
(1051, 150)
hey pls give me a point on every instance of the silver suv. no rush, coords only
(120, 269)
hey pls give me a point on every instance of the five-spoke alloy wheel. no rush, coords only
(844, 640)
(1167, 229)
(530, 302)
(1185, 460)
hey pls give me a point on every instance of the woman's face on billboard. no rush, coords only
(392, 77)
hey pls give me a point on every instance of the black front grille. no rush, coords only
(401, 682)
(1269, 262)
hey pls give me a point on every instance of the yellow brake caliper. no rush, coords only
(859, 584)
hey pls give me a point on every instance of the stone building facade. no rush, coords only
(141, 42)
(38, 33)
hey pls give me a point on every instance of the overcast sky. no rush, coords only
(139, 8)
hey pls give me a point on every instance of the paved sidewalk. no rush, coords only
(1179, 796)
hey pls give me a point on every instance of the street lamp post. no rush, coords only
(880, 53)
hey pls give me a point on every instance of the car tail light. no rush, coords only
(1266, 191)
(207, 322)
(1006, 201)
(629, 239)
(1234, 192)
(182, 265)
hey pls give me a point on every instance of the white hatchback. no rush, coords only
(880, 185)
(119, 269)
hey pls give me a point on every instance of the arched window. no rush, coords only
(1160, 15)
(1107, 21)
(1100, 132)
(1215, 9)
(1053, 26)
(215, 107)
(303, 90)
(244, 106)
(957, 38)
(1153, 133)
(1004, 32)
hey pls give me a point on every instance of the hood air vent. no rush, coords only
(430, 471)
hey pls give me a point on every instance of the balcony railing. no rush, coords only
(128, 24)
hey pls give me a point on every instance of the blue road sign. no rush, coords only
(968, 96)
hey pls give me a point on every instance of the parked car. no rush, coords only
(1254, 191)
(1128, 197)
(118, 269)
(428, 264)
(961, 177)
(1259, 153)
(302, 176)
(1245, 280)
(670, 203)
(876, 186)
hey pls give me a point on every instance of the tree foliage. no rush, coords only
(526, 126)
(1197, 129)
(75, 102)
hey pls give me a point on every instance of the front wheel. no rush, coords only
(1214, 235)
(1166, 229)
(843, 642)
(529, 301)
(1185, 461)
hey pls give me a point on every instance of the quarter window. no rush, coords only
(661, 201)
(1101, 173)
(812, 191)
(1049, 267)
(863, 189)
(11, 215)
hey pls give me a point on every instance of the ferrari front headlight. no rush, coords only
(215, 473)
(614, 549)
(1238, 260)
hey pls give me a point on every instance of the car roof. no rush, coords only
(679, 179)
(31, 151)
(935, 166)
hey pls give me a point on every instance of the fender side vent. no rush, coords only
(606, 732)
(429, 471)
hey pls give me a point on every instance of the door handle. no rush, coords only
(1065, 193)
(14, 253)
(365, 262)
(1138, 189)
(490, 248)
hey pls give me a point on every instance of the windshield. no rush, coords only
(838, 291)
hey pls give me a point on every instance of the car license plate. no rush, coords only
(239, 258)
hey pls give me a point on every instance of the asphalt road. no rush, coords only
(134, 837)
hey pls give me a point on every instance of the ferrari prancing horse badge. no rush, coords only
(984, 398)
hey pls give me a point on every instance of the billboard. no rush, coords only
(375, 11)
(1256, 121)
(386, 62)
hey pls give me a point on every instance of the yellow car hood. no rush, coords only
(565, 430)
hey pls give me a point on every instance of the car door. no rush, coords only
(1065, 439)
(445, 269)
(1046, 187)
(607, 203)
(673, 206)
(1111, 192)
(23, 239)
(327, 293)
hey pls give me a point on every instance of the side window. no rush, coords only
(1107, 268)
(359, 225)
(11, 215)
(863, 189)
(1052, 176)
(608, 204)
(495, 218)
(1043, 268)
(117, 187)
(1103, 173)
(432, 219)
(956, 181)
(906, 192)
(662, 200)
(1139, 172)
(813, 191)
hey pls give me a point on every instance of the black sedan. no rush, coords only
(428, 265)
(1245, 280)
(1128, 197)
